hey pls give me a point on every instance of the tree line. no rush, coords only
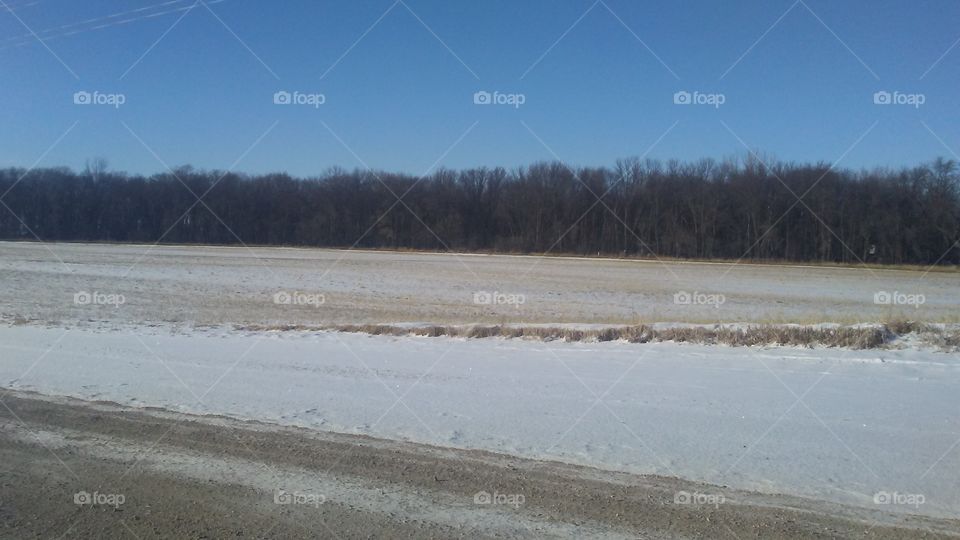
(739, 208)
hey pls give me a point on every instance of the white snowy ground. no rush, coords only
(218, 285)
(833, 424)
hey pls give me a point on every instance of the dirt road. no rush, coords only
(74, 469)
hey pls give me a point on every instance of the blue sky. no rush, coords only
(598, 80)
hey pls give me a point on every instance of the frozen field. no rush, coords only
(215, 285)
(837, 425)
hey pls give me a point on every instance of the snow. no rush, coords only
(839, 425)
(219, 285)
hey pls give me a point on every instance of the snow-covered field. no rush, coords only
(838, 425)
(215, 285)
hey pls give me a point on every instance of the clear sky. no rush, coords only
(597, 81)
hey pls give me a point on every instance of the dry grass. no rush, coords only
(853, 337)
(15, 320)
(945, 340)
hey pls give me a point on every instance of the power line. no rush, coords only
(104, 22)
(10, 6)
(94, 20)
